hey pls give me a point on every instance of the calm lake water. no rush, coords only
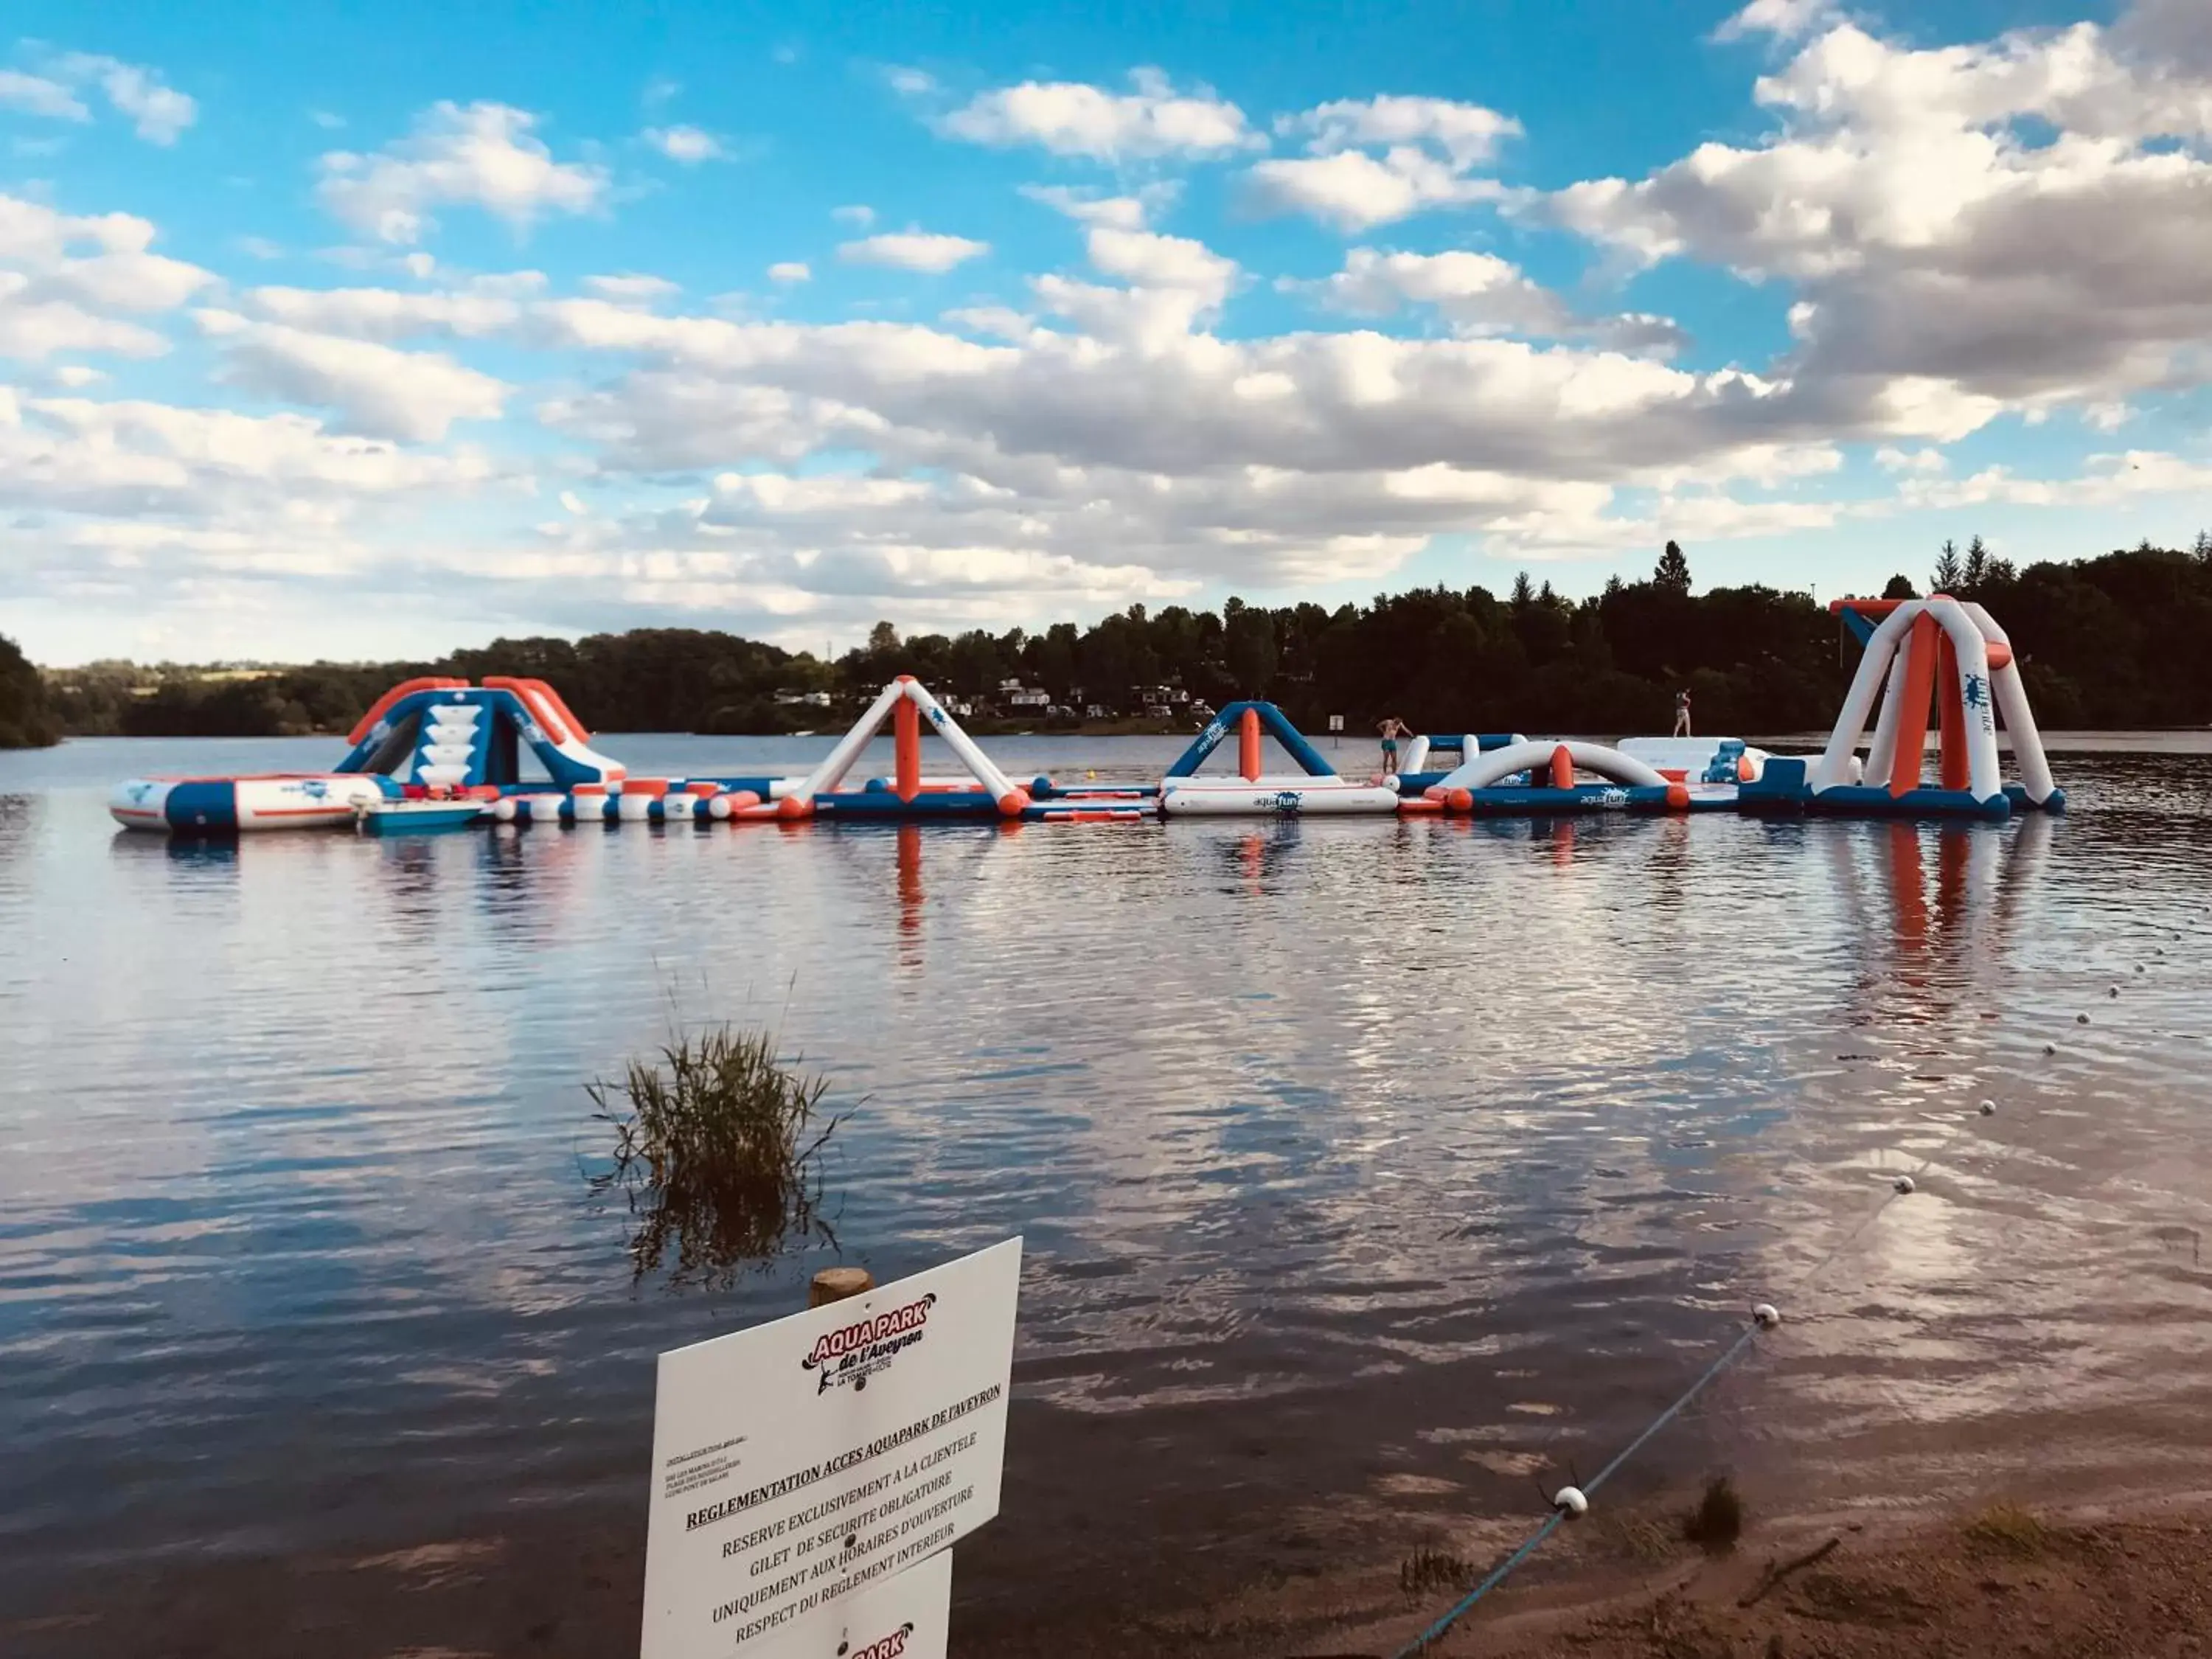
(1369, 1170)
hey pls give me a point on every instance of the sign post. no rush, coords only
(805, 1472)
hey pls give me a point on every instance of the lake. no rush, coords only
(1375, 1174)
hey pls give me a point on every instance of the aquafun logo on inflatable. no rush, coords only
(858, 1352)
(890, 1648)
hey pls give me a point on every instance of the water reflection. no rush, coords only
(1346, 1140)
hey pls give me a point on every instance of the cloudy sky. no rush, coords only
(378, 336)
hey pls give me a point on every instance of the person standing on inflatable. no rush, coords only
(1681, 713)
(1392, 730)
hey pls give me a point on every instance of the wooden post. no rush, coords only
(835, 1284)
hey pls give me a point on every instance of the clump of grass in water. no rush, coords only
(1427, 1570)
(1717, 1521)
(2008, 1530)
(717, 1149)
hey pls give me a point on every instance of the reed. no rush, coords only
(717, 1144)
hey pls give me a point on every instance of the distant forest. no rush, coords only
(2119, 640)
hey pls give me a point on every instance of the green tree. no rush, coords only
(1948, 573)
(1976, 570)
(1248, 647)
(1899, 587)
(1672, 573)
(25, 720)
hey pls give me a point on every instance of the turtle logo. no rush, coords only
(1287, 802)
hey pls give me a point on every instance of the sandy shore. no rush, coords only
(2004, 1579)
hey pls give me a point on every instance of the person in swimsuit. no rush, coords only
(1681, 713)
(1392, 730)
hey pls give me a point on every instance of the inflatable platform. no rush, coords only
(422, 737)
(1251, 792)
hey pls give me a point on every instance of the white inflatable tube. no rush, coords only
(1415, 757)
(1833, 767)
(1985, 777)
(1295, 795)
(1486, 771)
(942, 724)
(831, 772)
(1884, 748)
(2019, 720)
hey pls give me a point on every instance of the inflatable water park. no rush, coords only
(441, 753)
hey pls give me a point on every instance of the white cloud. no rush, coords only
(787, 271)
(131, 458)
(1072, 117)
(1479, 294)
(326, 120)
(633, 288)
(34, 95)
(1001, 322)
(480, 155)
(1131, 212)
(688, 145)
(76, 376)
(1783, 19)
(2016, 223)
(1428, 146)
(912, 250)
(412, 396)
(389, 314)
(1466, 133)
(857, 214)
(910, 82)
(157, 110)
(2104, 481)
(260, 247)
(1354, 190)
(1915, 462)
(70, 284)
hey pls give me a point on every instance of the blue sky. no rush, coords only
(378, 332)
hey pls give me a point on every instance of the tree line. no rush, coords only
(2115, 640)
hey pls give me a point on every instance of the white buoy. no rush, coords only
(1905, 1184)
(1989, 1108)
(2081, 1020)
(1572, 1500)
(2049, 1049)
(1767, 1316)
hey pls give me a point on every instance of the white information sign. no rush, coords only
(1336, 722)
(801, 1463)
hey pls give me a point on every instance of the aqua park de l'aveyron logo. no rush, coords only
(853, 1353)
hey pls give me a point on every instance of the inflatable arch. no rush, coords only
(1952, 652)
(1480, 784)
